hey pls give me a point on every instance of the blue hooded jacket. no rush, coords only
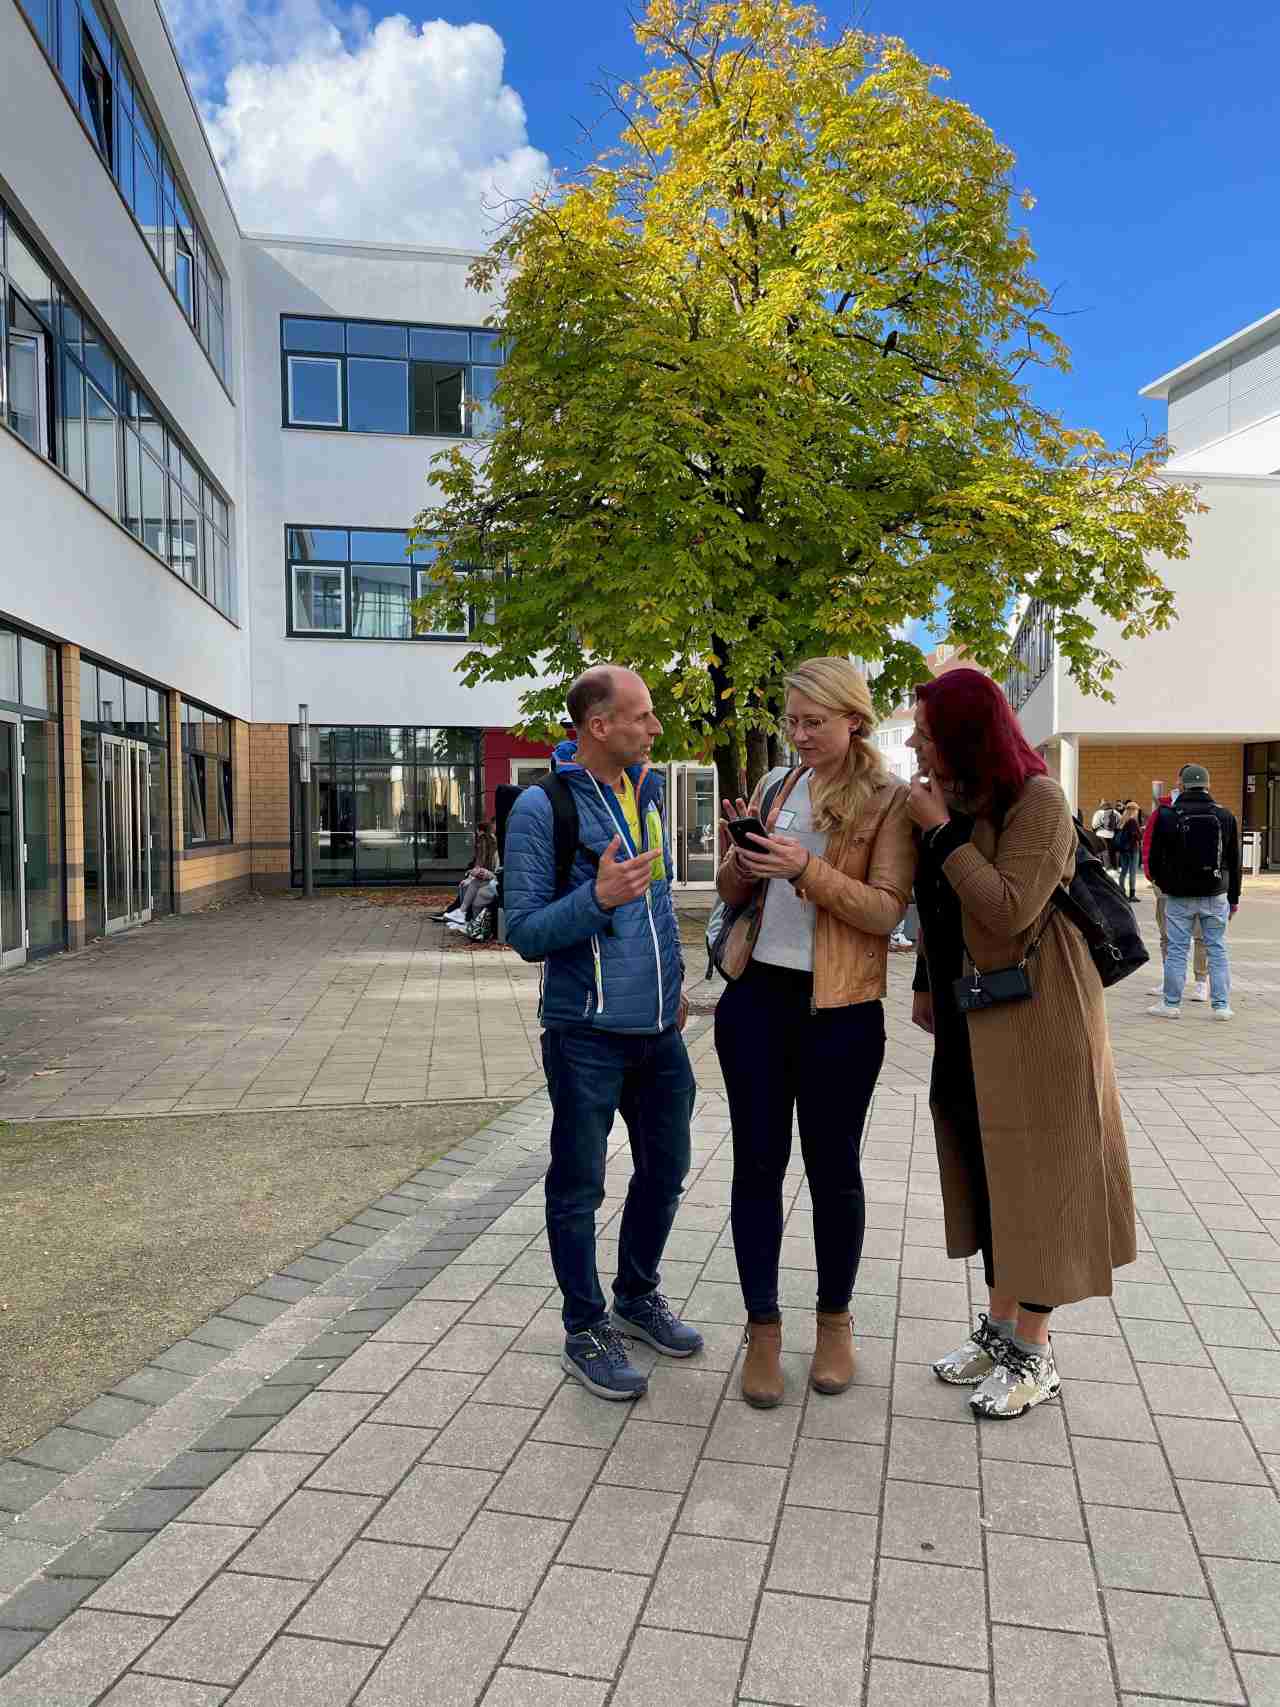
(619, 970)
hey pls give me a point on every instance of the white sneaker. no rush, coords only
(1162, 1010)
(1200, 991)
(1224, 1013)
(456, 917)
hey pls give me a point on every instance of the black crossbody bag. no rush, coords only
(978, 990)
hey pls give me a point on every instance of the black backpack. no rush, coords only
(1190, 857)
(1103, 917)
(565, 826)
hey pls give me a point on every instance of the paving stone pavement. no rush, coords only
(377, 1487)
(274, 1002)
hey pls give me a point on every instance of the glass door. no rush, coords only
(126, 832)
(690, 804)
(13, 933)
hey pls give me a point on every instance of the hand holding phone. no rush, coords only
(741, 828)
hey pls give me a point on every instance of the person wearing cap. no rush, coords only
(1194, 858)
(1200, 986)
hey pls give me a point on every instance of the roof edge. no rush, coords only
(1160, 388)
(439, 250)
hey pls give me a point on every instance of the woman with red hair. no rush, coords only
(1026, 1112)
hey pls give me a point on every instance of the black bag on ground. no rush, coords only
(1190, 851)
(1103, 917)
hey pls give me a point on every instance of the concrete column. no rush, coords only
(177, 797)
(73, 794)
(1069, 768)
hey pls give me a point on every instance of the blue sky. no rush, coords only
(1146, 133)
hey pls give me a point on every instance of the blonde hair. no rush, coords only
(834, 684)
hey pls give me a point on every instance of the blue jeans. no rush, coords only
(1129, 870)
(1181, 913)
(592, 1075)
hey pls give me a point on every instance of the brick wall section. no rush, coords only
(267, 775)
(73, 787)
(1125, 772)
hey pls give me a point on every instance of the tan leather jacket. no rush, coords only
(860, 888)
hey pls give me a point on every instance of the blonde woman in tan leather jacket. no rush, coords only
(800, 1028)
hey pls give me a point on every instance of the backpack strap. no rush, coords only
(566, 829)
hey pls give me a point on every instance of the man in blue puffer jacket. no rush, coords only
(612, 1012)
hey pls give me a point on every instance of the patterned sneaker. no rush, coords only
(1020, 1380)
(973, 1361)
(598, 1358)
(651, 1319)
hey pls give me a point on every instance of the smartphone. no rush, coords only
(741, 828)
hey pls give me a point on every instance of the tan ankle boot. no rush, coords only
(762, 1366)
(832, 1368)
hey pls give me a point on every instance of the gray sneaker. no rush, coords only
(1020, 1381)
(973, 1361)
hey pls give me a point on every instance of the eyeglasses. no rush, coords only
(804, 725)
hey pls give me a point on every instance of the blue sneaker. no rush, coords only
(598, 1358)
(651, 1319)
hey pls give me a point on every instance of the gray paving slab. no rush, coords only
(883, 1507)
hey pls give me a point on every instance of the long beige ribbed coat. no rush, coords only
(1052, 1132)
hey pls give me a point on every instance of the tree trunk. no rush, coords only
(775, 752)
(729, 780)
(757, 756)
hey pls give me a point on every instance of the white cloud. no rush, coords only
(327, 125)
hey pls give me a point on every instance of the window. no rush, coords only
(354, 376)
(28, 407)
(95, 96)
(448, 629)
(360, 584)
(319, 601)
(206, 766)
(388, 805)
(377, 396)
(95, 71)
(315, 392)
(66, 394)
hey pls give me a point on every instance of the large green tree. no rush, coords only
(768, 394)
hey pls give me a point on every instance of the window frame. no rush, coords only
(472, 408)
(338, 363)
(67, 32)
(196, 762)
(313, 568)
(345, 567)
(82, 360)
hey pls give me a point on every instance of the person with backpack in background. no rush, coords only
(1106, 821)
(1128, 850)
(1200, 989)
(599, 912)
(1194, 858)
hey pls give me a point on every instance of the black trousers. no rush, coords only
(953, 1084)
(781, 1059)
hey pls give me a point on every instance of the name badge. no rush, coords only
(785, 820)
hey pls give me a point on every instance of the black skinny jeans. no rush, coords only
(779, 1058)
(953, 1083)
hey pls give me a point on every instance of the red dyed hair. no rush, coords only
(977, 736)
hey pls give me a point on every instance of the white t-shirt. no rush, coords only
(786, 931)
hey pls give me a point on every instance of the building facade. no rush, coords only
(214, 446)
(1205, 689)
